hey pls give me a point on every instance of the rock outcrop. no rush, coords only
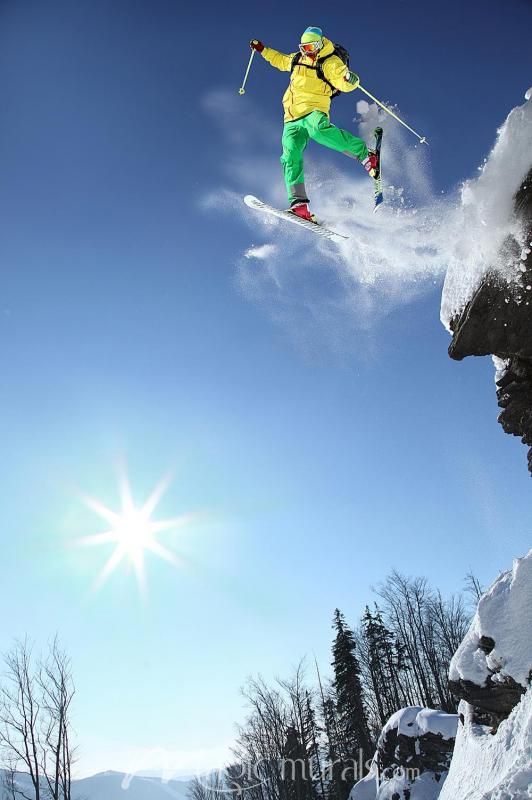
(490, 704)
(498, 321)
(496, 699)
(491, 669)
(413, 755)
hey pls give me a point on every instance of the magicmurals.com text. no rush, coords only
(244, 777)
(239, 779)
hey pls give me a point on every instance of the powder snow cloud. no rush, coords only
(391, 258)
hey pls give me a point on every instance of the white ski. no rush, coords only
(321, 230)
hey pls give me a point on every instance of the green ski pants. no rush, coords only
(296, 134)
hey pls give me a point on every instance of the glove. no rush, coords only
(352, 78)
(256, 45)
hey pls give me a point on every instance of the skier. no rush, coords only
(317, 74)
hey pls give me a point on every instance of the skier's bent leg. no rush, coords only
(295, 139)
(322, 131)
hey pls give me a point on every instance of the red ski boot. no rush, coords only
(302, 210)
(371, 164)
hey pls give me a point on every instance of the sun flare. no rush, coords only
(132, 531)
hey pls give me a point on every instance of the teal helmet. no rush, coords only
(312, 35)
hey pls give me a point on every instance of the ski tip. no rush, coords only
(250, 200)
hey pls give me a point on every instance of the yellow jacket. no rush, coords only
(306, 92)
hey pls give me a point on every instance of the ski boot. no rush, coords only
(371, 164)
(301, 209)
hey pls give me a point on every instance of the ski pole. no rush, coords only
(422, 139)
(242, 89)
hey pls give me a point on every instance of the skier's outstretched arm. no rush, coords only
(274, 57)
(339, 75)
(278, 60)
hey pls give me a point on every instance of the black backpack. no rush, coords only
(339, 51)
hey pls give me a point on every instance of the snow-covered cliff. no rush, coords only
(487, 295)
(496, 654)
(492, 671)
(486, 220)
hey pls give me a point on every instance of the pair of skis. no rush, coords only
(316, 227)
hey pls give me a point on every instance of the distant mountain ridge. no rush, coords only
(108, 786)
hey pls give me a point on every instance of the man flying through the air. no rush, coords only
(317, 74)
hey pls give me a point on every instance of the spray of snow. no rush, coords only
(261, 252)
(505, 614)
(484, 218)
(391, 257)
(487, 766)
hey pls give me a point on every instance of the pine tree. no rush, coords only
(352, 719)
(374, 664)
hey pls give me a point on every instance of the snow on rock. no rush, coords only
(426, 786)
(485, 218)
(366, 789)
(437, 722)
(498, 644)
(493, 667)
(487, 766)
(501, 365)
(416, 721)
(413, 755)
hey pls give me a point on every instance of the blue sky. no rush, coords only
(322, 445)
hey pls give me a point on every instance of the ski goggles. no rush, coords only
(309, 48)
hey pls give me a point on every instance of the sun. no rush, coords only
(132, 531)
